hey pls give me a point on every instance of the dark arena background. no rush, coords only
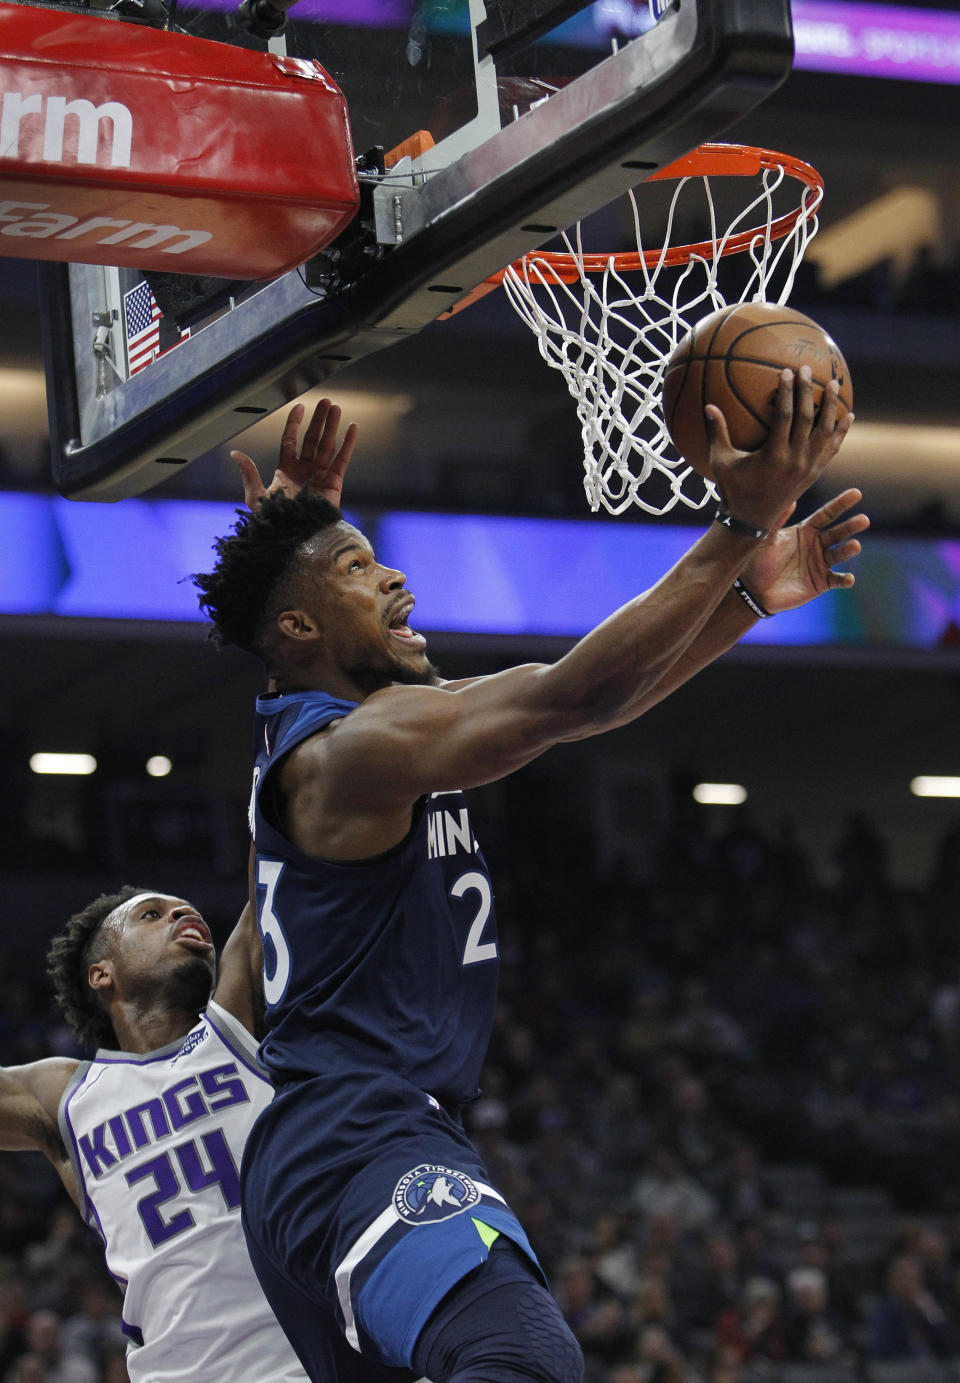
(723, 1093)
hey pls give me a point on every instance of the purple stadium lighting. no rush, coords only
(877, 41)
(859, 40)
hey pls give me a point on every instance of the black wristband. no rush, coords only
(751, 601)
(739, 526)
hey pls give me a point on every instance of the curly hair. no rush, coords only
(253, 561)
(69, 957)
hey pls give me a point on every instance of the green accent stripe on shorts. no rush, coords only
(488, 1235)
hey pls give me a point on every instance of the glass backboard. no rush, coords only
(531, 124)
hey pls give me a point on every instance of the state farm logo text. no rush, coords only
(53, 129)
(41, 221)
(75, 124)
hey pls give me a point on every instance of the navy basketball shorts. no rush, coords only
(364, 1204)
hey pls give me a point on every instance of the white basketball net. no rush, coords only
(611, 334)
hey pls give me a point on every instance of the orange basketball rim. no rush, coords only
(609, 321)
(706, 161)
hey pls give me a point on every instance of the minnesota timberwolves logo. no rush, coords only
(430, 1193)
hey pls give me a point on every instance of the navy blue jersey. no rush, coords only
(387, 964)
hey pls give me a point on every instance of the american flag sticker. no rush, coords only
(142, 330)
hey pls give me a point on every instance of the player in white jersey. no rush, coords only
(155, 1143)
(147, 1137)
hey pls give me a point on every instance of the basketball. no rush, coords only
(733, 359)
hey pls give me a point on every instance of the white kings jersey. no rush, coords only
(155, 1140)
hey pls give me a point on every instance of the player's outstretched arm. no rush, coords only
(792, 567)
(29, 1100)
(405, 741)
(318, 461)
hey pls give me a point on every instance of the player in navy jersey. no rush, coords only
(371, 1221)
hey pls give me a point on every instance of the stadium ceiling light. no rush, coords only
(378, 414)
(719, 794)
(78, 765)
(23, 399)
(930, 785)
(158, 765)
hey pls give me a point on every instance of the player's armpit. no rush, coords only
(29, 1100)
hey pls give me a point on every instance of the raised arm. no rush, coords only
(792, 567)
(240, 974)
(320, 462)
(405, 741)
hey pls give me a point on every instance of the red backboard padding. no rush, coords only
(126, 145)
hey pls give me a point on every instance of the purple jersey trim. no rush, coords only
(77, 1081)
(252, 1063)
(111, 1058)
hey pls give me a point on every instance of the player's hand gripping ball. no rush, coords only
(734, 359)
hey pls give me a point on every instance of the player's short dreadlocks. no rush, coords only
(254, 559)
(70, 955)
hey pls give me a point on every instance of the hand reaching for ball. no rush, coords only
(760, 487)
(734, 358)
(783, 390)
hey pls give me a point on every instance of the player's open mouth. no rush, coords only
(194, 934)
(400, 628)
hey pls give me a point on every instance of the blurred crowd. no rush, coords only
(723, 1098)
